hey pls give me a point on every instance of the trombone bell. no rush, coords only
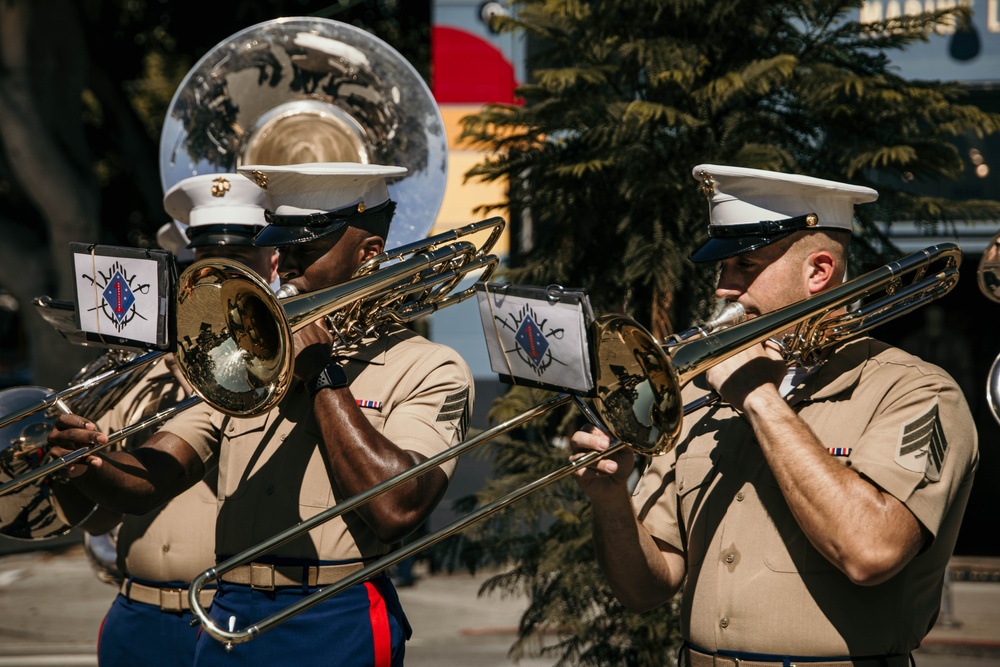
(233, 340)
(638, 390)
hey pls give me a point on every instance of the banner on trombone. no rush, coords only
(538, 336)
(123, 295)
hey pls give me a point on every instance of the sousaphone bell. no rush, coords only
(302, 89)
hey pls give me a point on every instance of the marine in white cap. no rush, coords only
(350, 422)
(161, 551)
(219, 214)
(810, 515)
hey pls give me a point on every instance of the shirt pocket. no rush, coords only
(694, 478)
(786, 548)
(242, 438)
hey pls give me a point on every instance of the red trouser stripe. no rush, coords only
(380, 626)
(100, 631)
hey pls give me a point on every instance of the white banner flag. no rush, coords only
(538, 335)
(121, 294)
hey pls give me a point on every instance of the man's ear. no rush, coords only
(370, 247)
(275, 259)
(821, 269)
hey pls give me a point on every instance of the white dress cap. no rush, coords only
(750, 208)
(215, 199)
(321, 187)
(306, 202)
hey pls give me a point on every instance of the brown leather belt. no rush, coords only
(267, 577)
(699, 659)
(167, 599)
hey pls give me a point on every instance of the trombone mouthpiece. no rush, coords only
(732, 314)
(286, 291)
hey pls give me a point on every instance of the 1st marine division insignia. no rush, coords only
(532, 343)
(119, 295)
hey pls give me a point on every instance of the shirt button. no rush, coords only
(270, 489)
(724, 623)
(166, 548)
(730, 558)
(740, 496)
(283, 435)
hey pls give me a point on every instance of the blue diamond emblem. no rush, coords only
(119, 296)
(530, 338)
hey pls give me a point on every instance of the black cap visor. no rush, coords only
(285, 230)
(730, 240)
(282, 235)
(215, 235)
(715, 250)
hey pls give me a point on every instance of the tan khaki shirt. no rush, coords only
(176, 541)
(754, 582)
(272, 472)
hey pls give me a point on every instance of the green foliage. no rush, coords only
(625, 97)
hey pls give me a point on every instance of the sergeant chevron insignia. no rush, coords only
(922, 445)
(456, 408)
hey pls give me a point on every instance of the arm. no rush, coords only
(865, 532)
(643, 572)
(359, 456)
(129, 482)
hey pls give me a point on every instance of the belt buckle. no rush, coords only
(725, 661)
(171, 599)
(261, 577)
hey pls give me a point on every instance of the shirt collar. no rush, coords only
(841, 370)
(373, 349)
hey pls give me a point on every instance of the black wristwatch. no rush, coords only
(332, 376)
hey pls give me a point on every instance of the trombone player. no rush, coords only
(349, 422)
(809, 517)
(161, 551)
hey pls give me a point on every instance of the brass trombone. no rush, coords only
(638, 397)
(235, 336)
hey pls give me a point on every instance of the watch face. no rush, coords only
(332, 376)
(336, 376)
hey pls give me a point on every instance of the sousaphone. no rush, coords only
(302, 89)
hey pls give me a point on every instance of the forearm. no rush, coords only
(121, 483)
(640, 574)
(360, 457)
(138, 481)
(866, 533)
